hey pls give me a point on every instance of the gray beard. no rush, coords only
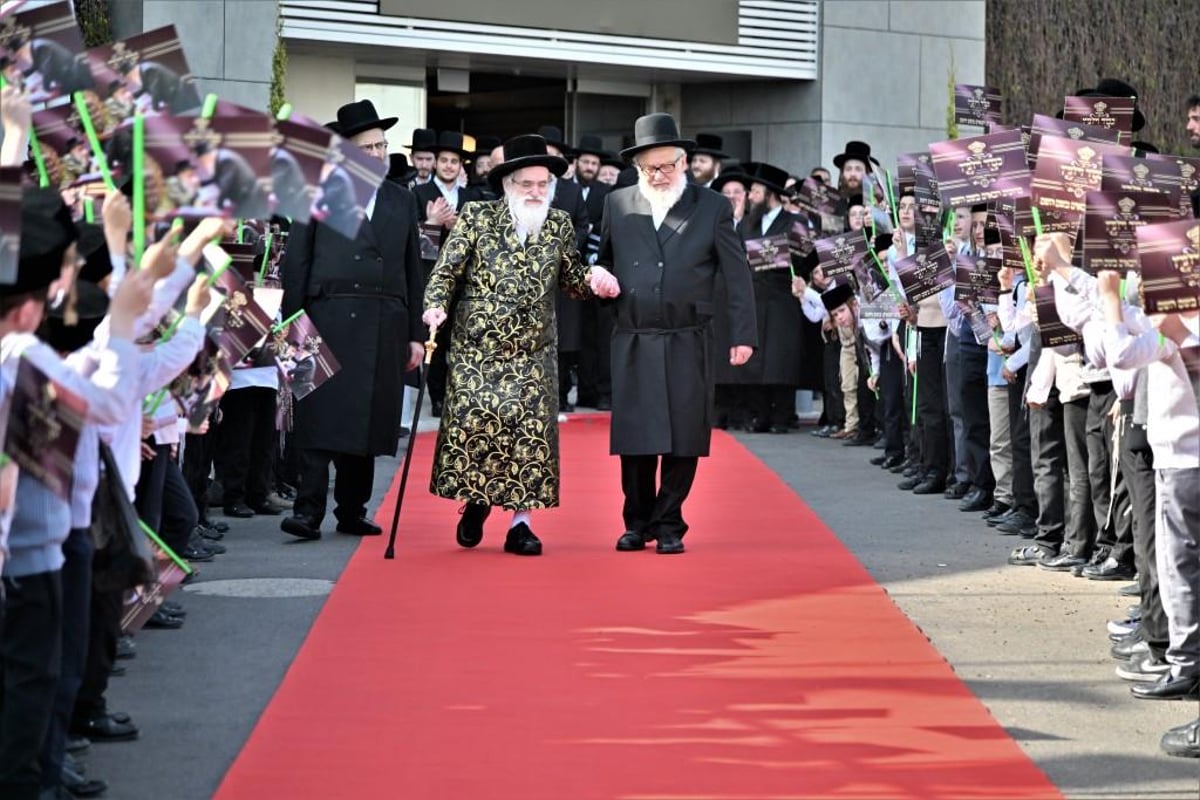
(528, 218)
(662, 201)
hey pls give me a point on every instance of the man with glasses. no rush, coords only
(667, 241)
(362, 295)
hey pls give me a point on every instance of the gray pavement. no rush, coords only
(1029, 643)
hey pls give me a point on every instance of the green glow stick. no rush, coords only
(152, 402)
(183, 565)
(220, 268)
(1037, 219)
(882, 269)
(281, 325)
(210, 106)
(914, 403)
(285, 111)
(262, 271)
(139, 189)
(241, 235)
(1028, 259)
(89, 210)
(85, 117)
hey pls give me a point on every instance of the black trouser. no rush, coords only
(103, 631)
(197, 464)
(595, 353)
(76, 609)
(1099, 432)
(977, 428)
(833, 404)
(1024, 497)
(1049, 452)
(1137, 467)
(931, 402)
(246, 444)
(351, 489)
(567, 363)
(891, 395)
(439, 371)
(30, 657)
(164, 501)
(771, 404)
(1080, 535)
(650, 510)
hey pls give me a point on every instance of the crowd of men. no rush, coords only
(1089, 452)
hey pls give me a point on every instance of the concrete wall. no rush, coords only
(884, 70)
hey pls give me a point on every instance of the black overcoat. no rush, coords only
(662, 359)
(568, 197)
(364, 295)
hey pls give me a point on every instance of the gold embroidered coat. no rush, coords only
(498, 440)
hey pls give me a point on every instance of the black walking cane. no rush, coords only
(422, 377)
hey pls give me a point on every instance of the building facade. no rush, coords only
(785, 81)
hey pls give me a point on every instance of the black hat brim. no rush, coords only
(842, 158)
(556, 164)
(707, 151)
(725, 178)
(383, 124)
(685, 144)
(768, 185)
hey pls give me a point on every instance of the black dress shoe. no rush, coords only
(104, 728)
(898, 468)
(359, 527)
(997, 510)
(630, 541)
(470, 527)
(780, 429)
(301, 526)
(1108, 570)
(860, 440)
(126, 649)
(1062, 562)
(267, 509)
(669, 544)
(999, 519)
(78, 784)
(957, 490)
(164, 621)
(1182, 741)
(975, 500)
(521, 541)
(1015, 524)
(78, 744)
(239, 510)
(1169, 688)
(930, 486)
(892, 462)
(169, 606)
(877, 461)
(908, 484)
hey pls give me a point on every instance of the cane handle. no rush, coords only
(431, 344)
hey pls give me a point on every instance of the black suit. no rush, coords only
(364, 296)
(595, 369)
(662, 344)
(568, 197)
(425, 194)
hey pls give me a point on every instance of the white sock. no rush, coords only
(519, 517)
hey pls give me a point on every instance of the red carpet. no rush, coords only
(763, 664)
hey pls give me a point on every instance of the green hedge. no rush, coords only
(95, 22)
(1040, 50)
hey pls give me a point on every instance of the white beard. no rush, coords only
(662, 200)
(528, 218)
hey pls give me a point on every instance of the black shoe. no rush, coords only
(239, 510)
(913, 469)
(78, 744)
(908, 484)
(877, 461)
(209, 532)
(824, 433)
(957, 490)
(216, 548)
(267, 509)
(997, 511)
(892, 462)
(669, 544)
(898, 467)
(1015, 524)
(1062, 562)
(1169, 687)
(435, 408)
(470, 527)
(630, 541)
(301, 526)
(780, 429)
(161, 620)
(1182, 741)
(78, 784)
(126, 649)
(930, 486)
(219, 527)
(1000, 518)
(521, 541)
(172, 608)
(1129, 645)
(1029, 555)
(860, 439)
(197, 553)
(975, 500)
(106, 728)
(1108, 570)
(359, 527)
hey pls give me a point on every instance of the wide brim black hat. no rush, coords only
(709, 144)
(451, 142)
(399, 170)
(770, 176)
(1143, 147)
(424, 140)
(656, 130)
(521, 152)
(593, 145)
(732, 175)
(354, 118)
(484, 145)
(855, 151)
(91, 306)
(555, 138)
(1115, 87)
(882, 241)
(837, 295)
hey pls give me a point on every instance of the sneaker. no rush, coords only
(1128, 646)
(1142, 668)
(1122, 627)
(1029, 555)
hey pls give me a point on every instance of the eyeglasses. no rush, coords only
(370, 147)
(666, 169)
(526, 186)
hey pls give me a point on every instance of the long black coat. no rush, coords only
(779, 357)
(568, 197)
(662, 359)
(365, 298)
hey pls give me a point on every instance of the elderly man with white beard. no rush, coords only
(498, 440)
(667, 242)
